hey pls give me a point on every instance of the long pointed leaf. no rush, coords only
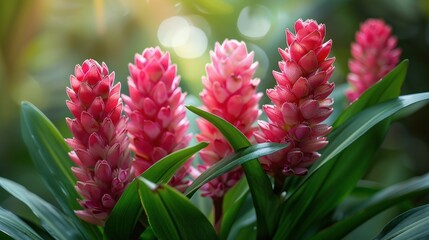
(381, 201)
(57, 224)
(260, 186)
(50, 156)
(412, 224)
(171, 215)
(14, 227)
(386, 89)
(126, 213)
(233, 161)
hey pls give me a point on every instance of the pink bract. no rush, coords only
(230, 93)
(300, 101)
(100, 144)
(157, 113)
(374, 55)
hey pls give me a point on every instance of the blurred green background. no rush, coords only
(42, 40)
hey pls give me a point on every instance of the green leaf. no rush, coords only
(232, 134)
(14, 227)
(381, 201)
(264, 200)
(332, 177)
(227, 164)
(171, 215)
(412, 224)
(163, 171)
(234, 205)
(233, 161)
(239, 215)
(123, 219)
(389, 87)
(57, 224)
(50, 156)
(126, 213)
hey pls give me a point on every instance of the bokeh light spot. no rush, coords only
(173, 31)
(254, 21)
(195, 44)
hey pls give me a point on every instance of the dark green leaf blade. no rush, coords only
(14, 227)
(57, 224)
(163, 170)
(232, 134)
(159, 218)
(260, 186)
(380, 201)
(238, 214)
(316, 187)
(126, 213)
(50, 156)
(233, 161)
(412, 224)
(171, 215)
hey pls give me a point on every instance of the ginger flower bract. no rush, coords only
(230, 93)
(100, 144)
(374, 54)
(300, 101)
(157, 113)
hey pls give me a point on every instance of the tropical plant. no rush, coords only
(298, 177)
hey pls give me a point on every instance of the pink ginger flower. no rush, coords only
(300, 102)
(374, 55)
(158, 122)
(230, 93)
(100, 144)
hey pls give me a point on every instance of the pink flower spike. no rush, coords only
(374, 54)
(98, 130)
(300, 102)
(230, 93)
(158, 123)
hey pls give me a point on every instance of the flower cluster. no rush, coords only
(300, 101)
(100, 144)
(156, 122)
(230, 93)
(374, 55)
(155, 106)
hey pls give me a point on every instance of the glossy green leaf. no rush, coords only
(14, 227)
(233, 161)
(232, 134)
(386, 89)
(330, 179)
(126, 213)
(381, 201)
(237, 217)
(51, 219)
(163, 171)
(50, 156)
(264, 199)
(412, 224)
(234, 206)
(171, 215)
